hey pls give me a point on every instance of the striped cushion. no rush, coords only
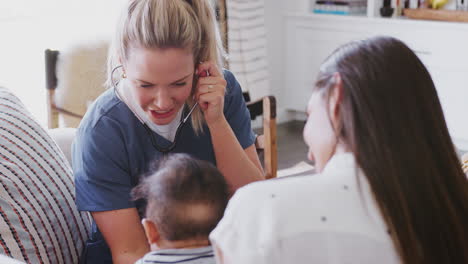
(39, 222)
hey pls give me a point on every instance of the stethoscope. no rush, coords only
(163, 150)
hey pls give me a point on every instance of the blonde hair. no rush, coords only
(187, 24)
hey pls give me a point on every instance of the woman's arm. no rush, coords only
(123, 233)
(239, 166)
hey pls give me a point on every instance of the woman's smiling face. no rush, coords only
(162, 80)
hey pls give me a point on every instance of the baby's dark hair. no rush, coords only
(186, 197)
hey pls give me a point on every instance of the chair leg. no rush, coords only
(269, 131)
(52, 113)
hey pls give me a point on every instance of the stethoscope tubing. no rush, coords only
(164, 150)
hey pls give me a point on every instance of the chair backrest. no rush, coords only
(75, 77)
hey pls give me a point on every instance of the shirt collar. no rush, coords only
(339, 162)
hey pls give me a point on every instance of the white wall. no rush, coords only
(274, 27)
(28, 27)
(274, 19)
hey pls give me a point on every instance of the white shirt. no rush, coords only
(128, 97)
(323, 218)
(202, 255)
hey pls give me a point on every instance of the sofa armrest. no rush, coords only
(64, 139)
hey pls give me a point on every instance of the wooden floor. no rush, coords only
(291, 146)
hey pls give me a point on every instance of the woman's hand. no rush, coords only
(211, 88)
(239, 165)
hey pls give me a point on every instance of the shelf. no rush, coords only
(439, 15)
(403, 20)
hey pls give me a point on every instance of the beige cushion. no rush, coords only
(39, 222)
(64, 139)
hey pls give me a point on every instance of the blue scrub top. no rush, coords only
(112, 150)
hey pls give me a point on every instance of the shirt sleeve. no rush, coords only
(245, 233)
(100, 164)
(236, 112)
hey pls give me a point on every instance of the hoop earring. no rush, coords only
(112, 74)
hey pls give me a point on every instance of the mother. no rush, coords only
(390, 187)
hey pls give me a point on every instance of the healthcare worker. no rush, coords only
(168, 94)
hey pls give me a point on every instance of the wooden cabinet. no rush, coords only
(443, 48)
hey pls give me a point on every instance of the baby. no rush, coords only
(186, 199)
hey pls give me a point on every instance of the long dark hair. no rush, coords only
(392, 120)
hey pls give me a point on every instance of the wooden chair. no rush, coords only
(79, 74)
(51, 84)
(266, 142)
(53, 111)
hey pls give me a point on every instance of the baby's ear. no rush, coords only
(151, 231)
